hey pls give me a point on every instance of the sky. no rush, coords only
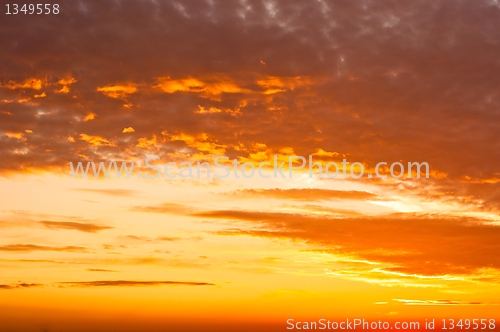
(190, 81)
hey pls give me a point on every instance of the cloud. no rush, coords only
(118, 91)
(128, 130)
(303, 194)
(110, 283)
(348, 77)
(89, 117)
(136, 238)
(34, 247)
(168, 208)
(15, 223)
(280, 84)
(31, 261)
(101, 270)
(95, 140)
(318, 209)
(436, 302)
(430, 245)
(29, 83)
(109, 192)
(158, 239)
(82, 227)
(134, 260)
(131, 283)
(212, 86)
(20, 285)
(67, 81)
(169, 238)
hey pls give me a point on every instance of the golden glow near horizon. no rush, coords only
(248, 84)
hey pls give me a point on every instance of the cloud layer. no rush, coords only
(367, 80)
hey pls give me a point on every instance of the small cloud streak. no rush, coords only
(34, 247)
(101, 270)
(168, 208)
(109, 192)
(77, 226)
(304, 194)
(21, 285)
(438, 302)
(159, 239)
(136, 238)
(131, 283)
(169, 238)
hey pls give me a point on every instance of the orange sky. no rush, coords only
(367, 81)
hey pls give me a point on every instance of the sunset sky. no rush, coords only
(367, 81)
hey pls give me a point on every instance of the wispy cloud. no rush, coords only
(303, 194)
(439, 302)
(131, 283)
(136, 238)
(169, 238)
(31, 261)
(77, 226)
(109, 192)
(101, 270)
(167, 208)
(159, 239)
(34, 247)
(406, 241)
(21, 285)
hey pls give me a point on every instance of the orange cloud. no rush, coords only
(94, 140)
(184, 85)
(212, 86)
(131, 283)
(118, 91)
(143, 142)
(304, 194)
(407, 242)
(436, 302)
(88, 117)
(16, 135)
(202, 110)
(202, 143)
(172, 208)
(274, 84)
(20, 285)
(30, 83)
(82, 227)
(33, 247)
(67, 81)
(109, 192)
(64, 89)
